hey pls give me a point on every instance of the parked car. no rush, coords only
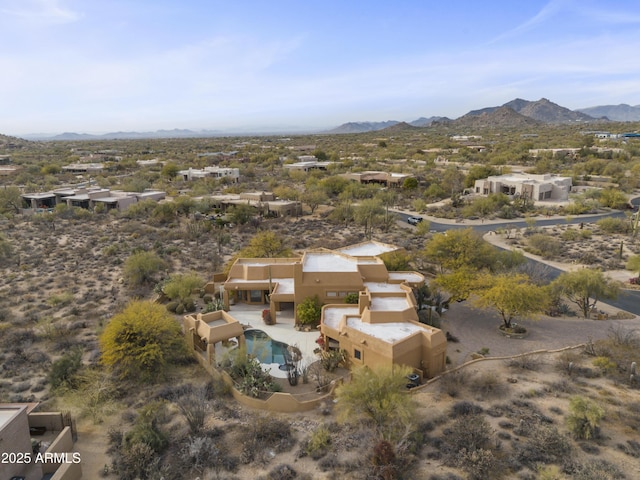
(414, 220)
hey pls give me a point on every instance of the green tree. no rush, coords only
(369, 213)
(163, 213)
(397, 261)
(170, 170)
(410, 183)
(309, 311)
(142, 341)
(142, 267)
(633, 263)
(185, 205)
(613, 198)
(181, 286)
(378, 396)
(584, 417)
(585, 287)
(512, 295)
(314, 197)
(266, 244)
(241, 214)
(455, 249)
(10, 200)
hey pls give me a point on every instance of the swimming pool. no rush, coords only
(266, 349)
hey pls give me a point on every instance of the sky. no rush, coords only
(98, 66)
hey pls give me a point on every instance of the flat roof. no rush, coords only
(328, 262)
(374, 287)
(389, 304)
(7, 413)
(410, 277)
(388, 332)
(333, 315)
(367, 249)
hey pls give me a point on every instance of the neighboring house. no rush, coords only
(265, 203)
(88, 198)
(6, 170)
(533, 187)
(233, 174)
(306, 165)
(382, 329)
(36, 445)
(83, 168)
(387, 179)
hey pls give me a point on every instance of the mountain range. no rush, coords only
(516, 113)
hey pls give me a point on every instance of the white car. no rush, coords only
(414, 220)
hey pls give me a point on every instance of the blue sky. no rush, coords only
(107, 65)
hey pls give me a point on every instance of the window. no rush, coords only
(255, 296)
(332, 294)
(357, 354)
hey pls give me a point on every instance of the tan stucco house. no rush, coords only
(525, 185)
(382, 328)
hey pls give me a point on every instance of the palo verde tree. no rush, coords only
(456, 249)
(585, 287)
(266, 244)
(633, 264)
(142, 341)
(378, 396)
(181, 286)
(309, 311)
(512, 295)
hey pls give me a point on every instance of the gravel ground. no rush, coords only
(477, 329)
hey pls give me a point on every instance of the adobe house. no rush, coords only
(208, 334)
(382, 328)
(23, 431)
(533, 187)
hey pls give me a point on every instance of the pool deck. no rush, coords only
(282, 331)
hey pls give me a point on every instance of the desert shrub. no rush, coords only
(351, 298)
(631, 448)
(570, 235)
(181, 286)
(525, 362)
(544, 445)
(453, 383)
(584, 418)
(613, 225)
(480, 464)
(309, 311)
(247, 373)
(265, 433)
(319, 442)
(142, 267)
(468, 433)
(487, 384)
(63, 371)
(194, 407)
(544, 245)
(605, 364)
(465, 408)
(332, 359)
(597, 470)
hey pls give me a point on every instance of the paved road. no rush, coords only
(628, 300)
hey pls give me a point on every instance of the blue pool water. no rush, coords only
(266, 349)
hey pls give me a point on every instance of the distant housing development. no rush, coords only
(88, 198)
(534, 187)
(382, 328)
